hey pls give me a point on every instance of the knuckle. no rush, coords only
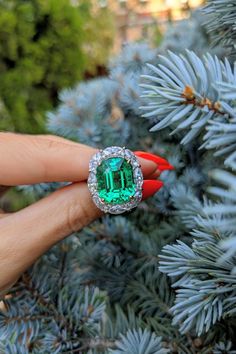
(50, 144)
(48, 148)
(77, 216)
(45, 143)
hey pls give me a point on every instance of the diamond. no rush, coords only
(137, 174)
(94, 161)
(128, 154)
(92, 178)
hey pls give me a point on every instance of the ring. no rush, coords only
(115, 180)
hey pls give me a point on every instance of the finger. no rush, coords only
(150, 187)
(28, 159)
(146, 167)
(155, 175)
(27, 234)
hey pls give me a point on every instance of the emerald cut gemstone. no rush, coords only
(115, 182)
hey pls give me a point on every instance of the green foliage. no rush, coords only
(221, 21)
(195, 98)
(139, 341)
(192, 104)
(99, 33)
(42, 313)
(157, 36)
(44, 47)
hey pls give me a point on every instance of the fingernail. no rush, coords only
(162, 164)
(150, 187)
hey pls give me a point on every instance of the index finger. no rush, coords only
(29, 159)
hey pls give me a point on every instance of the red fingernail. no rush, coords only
(150, 187)
(161, 163)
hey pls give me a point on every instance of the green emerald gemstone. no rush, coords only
(115, 182)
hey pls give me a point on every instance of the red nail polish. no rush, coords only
(150, 187)
(161, 163)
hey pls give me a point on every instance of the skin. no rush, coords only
(28, 233)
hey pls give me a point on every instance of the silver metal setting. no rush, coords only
(115, 151)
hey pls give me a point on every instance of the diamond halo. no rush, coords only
(95, 162)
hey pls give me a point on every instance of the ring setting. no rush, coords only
(115, 180)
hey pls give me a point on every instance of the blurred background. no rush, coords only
(49, 45)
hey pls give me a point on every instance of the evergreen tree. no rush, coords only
(161, 279)
(45, 46)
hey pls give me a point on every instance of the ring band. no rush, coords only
(115, 180)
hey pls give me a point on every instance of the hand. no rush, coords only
(28, 233)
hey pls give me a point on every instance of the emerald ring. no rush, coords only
(115, 180)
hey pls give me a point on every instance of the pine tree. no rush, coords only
(161, 279)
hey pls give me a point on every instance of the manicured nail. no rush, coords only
(150, 187)
(162, 164)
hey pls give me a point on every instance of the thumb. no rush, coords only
(28, 233)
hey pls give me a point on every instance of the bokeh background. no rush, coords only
(49, 45)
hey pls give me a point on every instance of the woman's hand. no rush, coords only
(28, 233)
